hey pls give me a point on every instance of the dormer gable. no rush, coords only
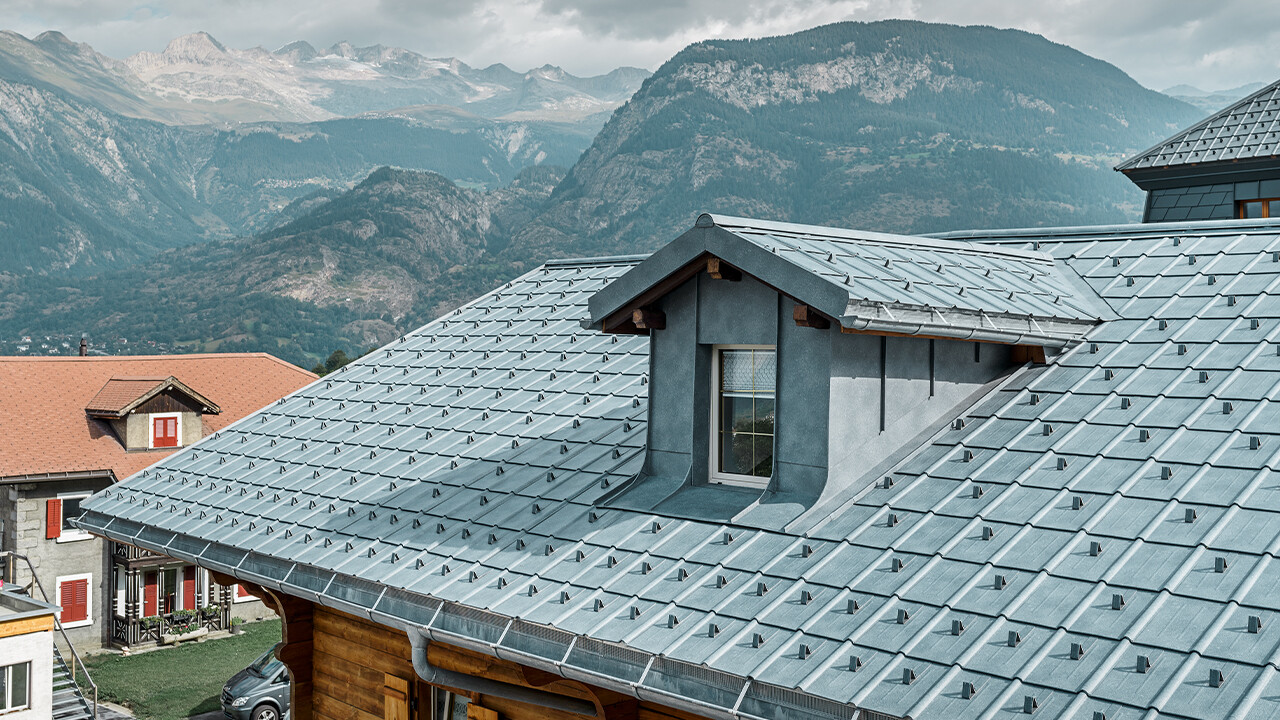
(151, 413)
(791, 363)
(871, 282)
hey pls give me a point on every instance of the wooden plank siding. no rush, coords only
(348, 668)
(353, 660)
(25, 626)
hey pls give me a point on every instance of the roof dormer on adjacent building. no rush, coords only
(1223, 167)
(156, 413)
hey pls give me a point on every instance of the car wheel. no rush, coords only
(265, 712)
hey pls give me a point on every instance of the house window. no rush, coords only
(74, 598)
(742, 416)
(15, 686)
(242, 595)
(68, 508)
(1265, 208)
(165, 430)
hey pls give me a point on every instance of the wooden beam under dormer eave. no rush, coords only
(807, 316)
(649, 319)
(721, 270)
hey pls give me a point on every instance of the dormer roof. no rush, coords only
(875, 282)
(122, 395)
(1247, 129)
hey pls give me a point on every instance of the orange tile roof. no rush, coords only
(44, 427)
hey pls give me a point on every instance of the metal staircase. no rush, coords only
(68, 702)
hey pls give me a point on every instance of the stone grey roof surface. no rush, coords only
(889, 283)
(1116, 507)
(1249, 128)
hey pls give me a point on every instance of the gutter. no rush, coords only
(52, 476)
(471, 683)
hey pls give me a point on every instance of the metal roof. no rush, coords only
(1098, 538)
(1249, 128)
(882, 282)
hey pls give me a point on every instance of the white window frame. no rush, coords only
(713, 474)
(6, 674)
(235, 595)
(151, 429)
(74, 534)
(88, 598)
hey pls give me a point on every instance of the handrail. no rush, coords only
(75, 656)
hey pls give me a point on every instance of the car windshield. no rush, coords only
(267, 665)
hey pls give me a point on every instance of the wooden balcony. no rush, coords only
(137, 632)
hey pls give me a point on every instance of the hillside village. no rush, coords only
(612, 459)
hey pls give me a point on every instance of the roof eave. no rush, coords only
(964, 325)
(427, 620)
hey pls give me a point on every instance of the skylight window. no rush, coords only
(743, 415)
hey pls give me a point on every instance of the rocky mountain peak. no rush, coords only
(297, 51)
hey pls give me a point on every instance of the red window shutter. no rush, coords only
(189, 587)
(150, 593)
(75, 600)
(164, 431)
(53, 519)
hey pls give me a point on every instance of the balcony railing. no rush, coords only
(120, 551)
(149, 630)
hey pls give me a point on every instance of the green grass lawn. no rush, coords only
(176, 683)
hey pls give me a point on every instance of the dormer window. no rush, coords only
(743, 414)
(151, 413)
(166, 428)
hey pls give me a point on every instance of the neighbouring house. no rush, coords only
(778, 471)
(73, 426)
(1225, 166)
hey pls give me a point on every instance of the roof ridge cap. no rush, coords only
(731, 223)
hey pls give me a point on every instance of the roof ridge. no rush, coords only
(1090, 233)
(912, 241)
(132, 358)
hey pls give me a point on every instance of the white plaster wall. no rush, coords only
(38, 649)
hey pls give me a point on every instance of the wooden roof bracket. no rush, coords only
(808, 316)
(721, 270)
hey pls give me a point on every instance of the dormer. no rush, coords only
(792, 363)
(151, 413)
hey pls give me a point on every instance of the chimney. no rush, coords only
(84, 347)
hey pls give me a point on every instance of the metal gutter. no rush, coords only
(50, 477)
(439, 676)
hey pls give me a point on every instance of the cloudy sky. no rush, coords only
(1218, 44)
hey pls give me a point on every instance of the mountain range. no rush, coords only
(1211, 101)
(102, 164)
(894, 126)
(196, 80)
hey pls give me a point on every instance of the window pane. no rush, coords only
(4, 688)
(748, 371)
(1252, 210)
(746, 408)
(1275, 208)
(70, 510)
(18, 694)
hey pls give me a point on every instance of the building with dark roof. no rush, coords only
(1225, 166)
(779, 471)
(72, 426)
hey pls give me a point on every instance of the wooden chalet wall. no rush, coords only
(348, 668)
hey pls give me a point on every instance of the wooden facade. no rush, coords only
(348, 668)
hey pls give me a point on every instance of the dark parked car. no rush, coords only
(258, 692)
